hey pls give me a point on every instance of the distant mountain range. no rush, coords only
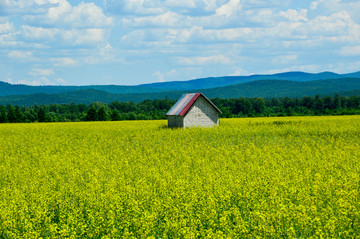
(289, 84)
(213, 82)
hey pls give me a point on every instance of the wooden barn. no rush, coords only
(193, 110)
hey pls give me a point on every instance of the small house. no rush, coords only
(193, 110)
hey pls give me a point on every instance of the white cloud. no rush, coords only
(195, 7)
(23, 55)
(6, 27)
(181, 4)
(207, 13)
(107, 52)
(161, 77)
(29, 82)
(9, 7)
(59, 36)
(58, 13)
(165, 19)
(306, 68)
(64, 15)
(41, 72)
(207, 60)
(284, 59)
(328, 7)
(87, 36)
(265, 31)
(8, 40)
(40, 77)
(338, 24)
(239, 72)
(314, 5)
(354, 8)
(38, 33)
(39, 80)
(57, 24)
(229, 9)
(350, 51)
(198, 34)
(195, 35)
(259, 18)
(64, 62)
(45, 80)
(60, 81)
(349, 67)
(134, 37)
(103, 54)
(9, 80)
(134, 7)
(158, 7)
(7, 32)
(320, 31)
(257, 4)
(294, 15)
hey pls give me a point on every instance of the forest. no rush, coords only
(156, 109)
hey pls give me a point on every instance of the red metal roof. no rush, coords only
(185, 102)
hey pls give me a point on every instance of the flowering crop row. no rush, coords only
(248, 178)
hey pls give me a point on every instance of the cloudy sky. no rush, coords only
(128, 42)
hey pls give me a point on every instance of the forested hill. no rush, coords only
(213, 82)
(262, 88)
(280, 88)
(204, 83)
(11, 89)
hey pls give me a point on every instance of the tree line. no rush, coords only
(156, 109)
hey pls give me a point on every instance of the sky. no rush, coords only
(131, 42)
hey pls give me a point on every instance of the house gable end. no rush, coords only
(201, 113)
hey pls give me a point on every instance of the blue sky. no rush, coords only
(129, 42)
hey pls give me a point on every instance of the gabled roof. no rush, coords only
(185, 102)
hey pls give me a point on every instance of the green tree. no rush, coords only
(19, 116)
(3, 115)
(11, 113)
(328, 102)
(115, 115)
(287, 102)
(30, 115)
(259, 105)
(103, 115)
(337, 102)
(274, 102)
(318, 104)
(307, 102)
(41, 115)
(91, 115)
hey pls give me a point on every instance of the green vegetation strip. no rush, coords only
(156, 109)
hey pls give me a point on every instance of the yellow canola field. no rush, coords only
(295, 177)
